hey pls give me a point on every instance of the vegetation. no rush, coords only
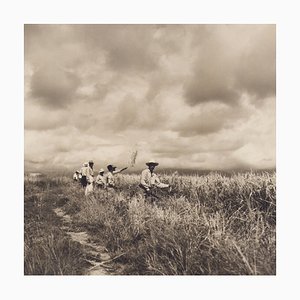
(47, 249)
(210, 225)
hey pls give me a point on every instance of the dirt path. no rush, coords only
(95, 254)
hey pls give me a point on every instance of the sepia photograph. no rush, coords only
(149, 149)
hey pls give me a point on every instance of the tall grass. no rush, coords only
(206, 225)
(47, 249)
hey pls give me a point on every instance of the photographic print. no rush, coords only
(150, 149)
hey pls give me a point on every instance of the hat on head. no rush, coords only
(111, 167)
(91, 162)
(85, 164)
(101, 170)
(152, 162)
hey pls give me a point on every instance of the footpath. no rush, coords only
(101, 263)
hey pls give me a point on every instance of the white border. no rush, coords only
(16, 13)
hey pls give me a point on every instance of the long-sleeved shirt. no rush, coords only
(101, 180)
(83, 171)
(149, 179)
(110, 180)
(90, 175)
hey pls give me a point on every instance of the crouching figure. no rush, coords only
(101, 180)
(149, 179)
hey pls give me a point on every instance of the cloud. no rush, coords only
(198, 96)
(126, 115)
(36, 118)
(155, 86)
(194, 145)
(39, 119)
(84, 121)
(137, 114)
(53, 86)
(210, 118)
(66, 147)
(100, 91)
(231, 61)
(256, 74)
(60, 43)
(129, 48)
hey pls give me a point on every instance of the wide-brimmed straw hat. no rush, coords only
(152, 162)
(101, 170)
(85, 164)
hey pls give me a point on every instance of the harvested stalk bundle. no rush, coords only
(133, 157)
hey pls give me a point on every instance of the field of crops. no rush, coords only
(206, 225)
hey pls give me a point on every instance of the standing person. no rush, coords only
(100, 179)
(110, 180)
(83, 172)
(149, 179)
(90, 178)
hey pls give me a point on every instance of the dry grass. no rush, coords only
(210, 224)
(47, 249)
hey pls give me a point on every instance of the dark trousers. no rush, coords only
(147, 194)
(83, 181)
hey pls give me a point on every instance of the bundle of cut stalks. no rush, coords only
(133, 157)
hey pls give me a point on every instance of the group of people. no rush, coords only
(86, 178)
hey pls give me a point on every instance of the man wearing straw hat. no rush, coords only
(149, 179)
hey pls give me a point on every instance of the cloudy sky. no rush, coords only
(188, 96)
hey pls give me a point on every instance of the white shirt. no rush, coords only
(100, 180)
(110, 180)
(83, 171)
(89, 175)
(149, 179)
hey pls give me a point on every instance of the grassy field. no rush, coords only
(206, 225)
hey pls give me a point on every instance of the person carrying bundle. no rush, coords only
(110, 180)
(149, 179)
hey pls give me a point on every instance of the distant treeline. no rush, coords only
(168, 171)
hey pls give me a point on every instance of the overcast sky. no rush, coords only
(193, 96)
